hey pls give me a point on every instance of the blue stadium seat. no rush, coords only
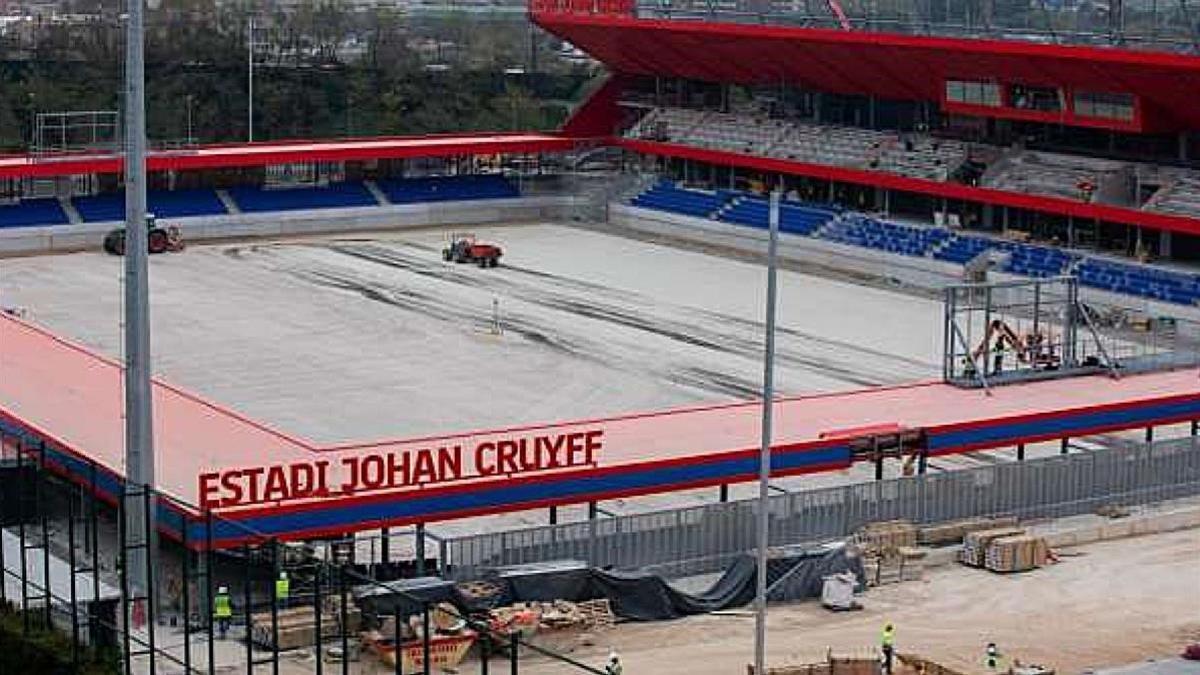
(666, 196)
(162, 203)
(33, 212)
(794, 217)
(333, 196)
(448, 189)
(1140, 280)
(910, 240)
(861, 230)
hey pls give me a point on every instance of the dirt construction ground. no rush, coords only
(1104, 604)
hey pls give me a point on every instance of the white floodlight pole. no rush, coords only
(764, 462)
(139, 437)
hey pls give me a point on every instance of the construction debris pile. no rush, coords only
(449, 640)
(559, 625)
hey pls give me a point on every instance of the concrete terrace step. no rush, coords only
(828, 226)
(68, 208)
(377, 193)
(228, 201)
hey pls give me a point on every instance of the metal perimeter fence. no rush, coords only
(703, 539)
(66, 605)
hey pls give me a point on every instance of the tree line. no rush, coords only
(321, 71)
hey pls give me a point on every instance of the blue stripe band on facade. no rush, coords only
(409, 506)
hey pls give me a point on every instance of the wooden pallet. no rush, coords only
(885, 536)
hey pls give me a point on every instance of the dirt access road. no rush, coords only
(1104, 604)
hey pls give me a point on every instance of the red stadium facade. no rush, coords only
(1154, 91)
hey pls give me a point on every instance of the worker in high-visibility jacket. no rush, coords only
(222, 611)
(283, 590)
(992, 658)
(887, 645)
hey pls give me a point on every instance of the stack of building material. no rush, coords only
(912, 563)
(1017, 553)
(886, 536)
(975, 544)
(904, 563)
(953, 532)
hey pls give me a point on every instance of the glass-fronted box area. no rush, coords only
(1037, 102)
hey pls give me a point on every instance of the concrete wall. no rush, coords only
(920, 272)
(59, 238)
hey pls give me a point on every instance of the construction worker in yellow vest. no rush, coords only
(992, 660)
(887, 643)
(283, 589)
(222, 611)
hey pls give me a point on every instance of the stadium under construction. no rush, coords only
(988, 311)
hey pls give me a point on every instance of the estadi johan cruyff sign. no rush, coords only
(387, 468)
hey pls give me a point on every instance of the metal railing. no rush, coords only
(1171, 27)
(703, 539)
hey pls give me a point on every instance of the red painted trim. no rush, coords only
(986, 46)
(537, 504)
(286, 152)
(599, 115)
(1067, 412)
(1054, 205)
(468, 486)
(473, 484)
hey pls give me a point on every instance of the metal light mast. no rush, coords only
(764, 462)
(139, 440)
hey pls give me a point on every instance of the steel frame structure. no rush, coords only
(88, 131)
(107, 629)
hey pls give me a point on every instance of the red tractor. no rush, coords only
(464, 248)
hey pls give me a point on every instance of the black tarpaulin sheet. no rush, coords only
(545, 582)
(792, 574)
(407, 595)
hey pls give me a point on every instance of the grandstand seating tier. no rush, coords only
(856, 229)
(447, 188)
(333, 196)
(161, 203)
(31, 212)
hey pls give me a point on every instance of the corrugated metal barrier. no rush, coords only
(702, 539)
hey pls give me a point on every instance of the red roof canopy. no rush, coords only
(887, 65)
(288, 152)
